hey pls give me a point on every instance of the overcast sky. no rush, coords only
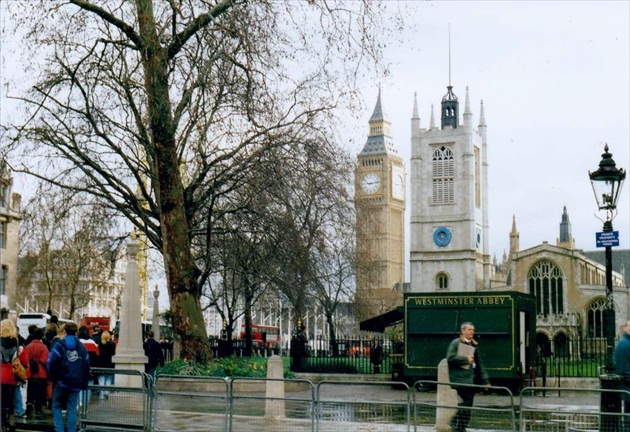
(554, 79)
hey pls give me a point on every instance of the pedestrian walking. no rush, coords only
(96, 334)
(69, 368)
(36, 391)
(93, 352)
(50, 333)
(10, 349)
(107, 350)
(376, 357)
(31, 330)
(19, 394)
(465, 367)
(622, 364)
(153, 350)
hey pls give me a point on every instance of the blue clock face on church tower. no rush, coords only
(442, 236)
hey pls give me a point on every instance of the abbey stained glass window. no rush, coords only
(546, 282)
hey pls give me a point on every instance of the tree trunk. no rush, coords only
(248, 321)
(180, 268)
(332, 335)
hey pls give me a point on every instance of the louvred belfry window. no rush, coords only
(443, 176)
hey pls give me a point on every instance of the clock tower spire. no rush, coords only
(380, 208)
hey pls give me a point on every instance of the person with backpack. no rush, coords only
(69, 368)
(38, 378)
(10, 350)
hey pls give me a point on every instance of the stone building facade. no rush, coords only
(569, 287)
(9, 240)
(449, 201)
(449, 235)
(98, 292)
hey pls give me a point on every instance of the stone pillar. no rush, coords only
(446, 398)
(274, 405)
(155, 324)
(129, 351)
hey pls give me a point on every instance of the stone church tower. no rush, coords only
(380, 210)
(449, 201)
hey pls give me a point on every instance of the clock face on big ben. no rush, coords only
(370, 183)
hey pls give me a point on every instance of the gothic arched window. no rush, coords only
(596, 318)
(443, 176)
(546, 283)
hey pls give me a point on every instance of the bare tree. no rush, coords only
(67, 244)
(336, 271)
(158, 108)
(295, 220)
(311, 204)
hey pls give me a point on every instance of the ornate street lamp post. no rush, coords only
(607, 182)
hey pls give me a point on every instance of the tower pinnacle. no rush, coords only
(514, 237)
(415, 117)
(467, 110)
(379, 137)
(415, 107)
(378, 114)
(565, 239)
(482, 115)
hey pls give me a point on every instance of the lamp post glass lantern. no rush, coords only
(607, 182)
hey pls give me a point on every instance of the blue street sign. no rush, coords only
(607, 239)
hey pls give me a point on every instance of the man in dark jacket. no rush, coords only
(69, 368)
(622, 364)
(464, 367)
(153, 350)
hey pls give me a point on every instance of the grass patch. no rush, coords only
(254, 367)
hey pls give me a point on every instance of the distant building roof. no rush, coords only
(620, 261)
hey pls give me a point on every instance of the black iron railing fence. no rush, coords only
(572, 357)
(569, 357)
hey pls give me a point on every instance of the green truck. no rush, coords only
(505, 327)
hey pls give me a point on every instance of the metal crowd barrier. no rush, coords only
(556, 412)
(496, 412)
(368, 406)
(194, 403)
(124, 406)
(255, 405)
(181, 401)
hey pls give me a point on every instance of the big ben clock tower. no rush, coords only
(449, 201)
(380, 209)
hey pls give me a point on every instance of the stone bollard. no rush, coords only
(446, 398)
(274, 405)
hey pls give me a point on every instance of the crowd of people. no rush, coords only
(57, 363)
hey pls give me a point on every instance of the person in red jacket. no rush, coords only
(9, 349)
(38, 378)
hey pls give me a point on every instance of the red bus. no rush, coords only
(269, 334)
